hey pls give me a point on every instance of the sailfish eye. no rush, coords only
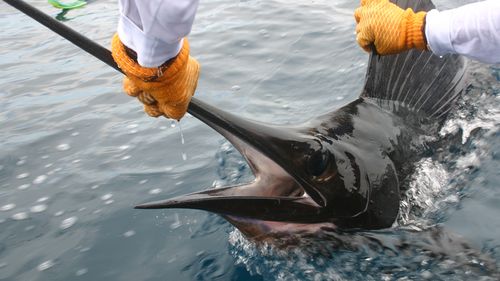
(318, 162)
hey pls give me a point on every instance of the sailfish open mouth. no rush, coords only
(277, 194)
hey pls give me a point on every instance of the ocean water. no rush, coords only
(76, 154)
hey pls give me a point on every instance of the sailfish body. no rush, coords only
(344, 168)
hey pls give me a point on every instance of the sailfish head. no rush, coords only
(297, 178)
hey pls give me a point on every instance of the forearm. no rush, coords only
(472, 30)
(154, 28)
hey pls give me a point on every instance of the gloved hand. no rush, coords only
(389, 28)
(164, 90)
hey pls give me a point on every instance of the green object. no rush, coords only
(67, 6)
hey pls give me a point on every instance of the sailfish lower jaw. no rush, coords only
(223, 201)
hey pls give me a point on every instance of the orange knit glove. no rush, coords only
(388, 27)
(164, 90)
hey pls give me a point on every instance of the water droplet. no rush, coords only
(40, 179)
(235, 88)
(143, 181)
(95, 186)
(44, 157)
(20, 216)
(124, 147)
(81, 272)
(132, 126)
(109, 202)
(106, 196)
(67, 223)
(7, 207)
(177, 223)
(129, 233)
(58, 213)
(155, 191)
(63, 147)
(38, 208)
(45, 265)
(131, 132)
(76, 161)
(75, 134)
(21, 162)
(22, 176)
(23, 186)
(126, 157)
(184, 156)
(173, 124)
(49, 165)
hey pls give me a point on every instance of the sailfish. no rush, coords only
(343, 169)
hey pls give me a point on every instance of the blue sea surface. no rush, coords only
(76, 154)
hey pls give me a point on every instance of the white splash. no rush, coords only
(428, 186)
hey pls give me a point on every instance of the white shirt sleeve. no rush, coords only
(154, 28)
(472, 30)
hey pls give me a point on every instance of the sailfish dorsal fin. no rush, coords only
(418, 80)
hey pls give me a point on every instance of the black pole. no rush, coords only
(85, 43)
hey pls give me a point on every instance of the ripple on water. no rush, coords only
(45, 265)
(63, 147)
(7, 207)
(155, 191)
(67, 223)
(81, 272)
(59, 213)
(106, 196)
(23, 176)
(23, 186)
(20, 216)
(40, 179)
(38, 208)
(129, 233)
(42, 199)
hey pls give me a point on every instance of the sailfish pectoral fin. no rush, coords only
(222, 201)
